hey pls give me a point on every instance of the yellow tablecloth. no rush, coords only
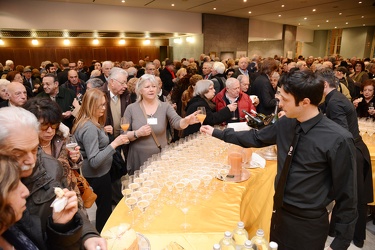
(249, 201)
(371, 148)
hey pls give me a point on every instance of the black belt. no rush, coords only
(304, 212)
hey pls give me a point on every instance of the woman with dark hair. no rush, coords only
(359, 75)
(96, 150)
(51, 140)
(13, 194)
(366, 102)
(204, 92)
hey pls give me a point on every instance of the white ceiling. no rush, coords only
(328, 14)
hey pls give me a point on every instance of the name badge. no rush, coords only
(152, 121)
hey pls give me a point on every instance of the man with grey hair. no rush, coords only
(118, 99)
(206, 70)
(106, 68)
(40, 173)
(132, 72)
(17, 95)
(233, 94)
(243, 63)
(218, 76)
(94, 83)
(10, 64)
(150, 68)
(244, 83)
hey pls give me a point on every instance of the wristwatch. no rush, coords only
(135, 134)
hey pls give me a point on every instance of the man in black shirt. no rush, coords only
(339, 109)
(313, 170)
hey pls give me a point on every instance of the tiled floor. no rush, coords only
(369, 242)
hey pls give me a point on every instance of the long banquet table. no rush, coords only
(249, 201)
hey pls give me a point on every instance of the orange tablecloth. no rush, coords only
(249, 201)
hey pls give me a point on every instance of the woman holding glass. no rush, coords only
(51, 140)
(96, 150)
(204, 92)
(148, 114)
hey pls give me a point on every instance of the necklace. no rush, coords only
(45, 146)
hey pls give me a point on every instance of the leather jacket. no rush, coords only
(48, 173)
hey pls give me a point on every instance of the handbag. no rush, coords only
(87, 194)
(152, 132)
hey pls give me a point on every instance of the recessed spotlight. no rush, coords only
(279, 15)
(327, 21)
(347, 23)
(340, 14)
(146, 42)
(364, 25)
(1, 42)
(299, 24)
(214, 8)
(34, 42)
(244, 1)
(95, 41)
(362, 16)
(122, 41)
(172, 4)
(335, 27)
(314, 9)
(123, 1)
(282, 6)
(305, 18)
(66, 42)
(249, 12)
(359, 2)
(318, 25)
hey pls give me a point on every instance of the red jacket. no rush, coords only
(243, 102)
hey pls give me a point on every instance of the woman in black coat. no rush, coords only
(204, 92)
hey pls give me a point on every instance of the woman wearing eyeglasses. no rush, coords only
(51, 140)
(96, 150)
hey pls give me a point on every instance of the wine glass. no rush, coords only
(131, 202)
(143, 205)
(124, 123)
(170, 184)
(184, 206)
(195, 182)
(234, 115)
(223, 175)
(201, 114)
(71, 144)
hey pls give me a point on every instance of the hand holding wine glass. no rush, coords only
(73, 148)
(125, 124)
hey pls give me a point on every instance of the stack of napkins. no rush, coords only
(238, 126)
(257, 161)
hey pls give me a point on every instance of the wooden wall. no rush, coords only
(22, 52)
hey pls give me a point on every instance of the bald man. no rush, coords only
(17, 95)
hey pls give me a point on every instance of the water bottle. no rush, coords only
(240, 235)
(273, 245)
(216, 247)
(248, 245)
(227, 243)
(260, 243)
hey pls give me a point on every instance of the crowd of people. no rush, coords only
(42, 107)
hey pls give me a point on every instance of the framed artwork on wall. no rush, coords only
(241, 53)
(225, 55)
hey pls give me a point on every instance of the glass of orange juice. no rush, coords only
(201, 114)
(124, 123)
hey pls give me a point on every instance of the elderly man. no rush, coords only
(244, 83)
(40, 173)
(17, 95)
(232, 94)
(74, 83)
(243, 63)
(150, 68)
(118, 99)
(206, 70)
(64, 97)
(218, 76)
(105, 68)
(29, 82)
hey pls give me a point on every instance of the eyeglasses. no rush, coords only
(122, 83)
(45, 127)
(102, 106)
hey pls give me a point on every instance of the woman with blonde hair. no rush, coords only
(97, 152)
(149, 115)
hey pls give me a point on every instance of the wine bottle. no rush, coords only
(253, 121)
(276, 112)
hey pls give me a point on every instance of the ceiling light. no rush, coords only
(299, 24)
(318, 25)
(359, 2)
(172, 4)
(249, 12)
(190, 39)
(282, 6)
(327, 21)
(214, 8)
(177, 40)
(34, 42)
(305, 18)
(314, 9)
(347, 23)
(363, 17)
(279, 15)
(122, 41)
(340, 13)
(146, 42)
(123, 1)
(244, 1)
(364, 25)
(66, 42)
(1, 42)
(335, 27)
(95, 41)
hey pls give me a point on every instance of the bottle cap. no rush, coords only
(248, 243)
(227, 234)
(216, 247)
(241, 224)
(273, 245)
(260, 232)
